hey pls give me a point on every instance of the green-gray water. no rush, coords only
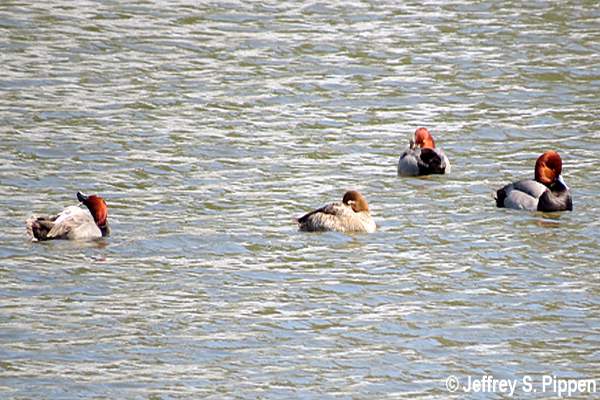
(209, 126)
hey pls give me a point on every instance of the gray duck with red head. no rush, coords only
(547, 192)
(422, 157)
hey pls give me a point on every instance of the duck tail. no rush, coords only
(38, 228)
(499, 196)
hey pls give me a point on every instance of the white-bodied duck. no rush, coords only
(73, 223)
(350, 216)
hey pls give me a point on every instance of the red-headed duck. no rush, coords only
(73, 223)
(548, 192)
(351, 215)
(422, 157)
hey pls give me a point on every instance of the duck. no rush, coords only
(422, 157)
(350, 216)
(547, 192)
(73, 223)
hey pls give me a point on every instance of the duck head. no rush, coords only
(423, 139)
(355, 200)
(548, 168)
(97, 207)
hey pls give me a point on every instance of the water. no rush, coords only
(208, 127)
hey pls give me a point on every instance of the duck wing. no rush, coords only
(408, 164)
(520, 195)
(324, 218)
(73, 223)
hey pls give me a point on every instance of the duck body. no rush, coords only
(547, 192)
(73, 223)
(531, 195)
(349, 216)
(423, 161)
(422, 157)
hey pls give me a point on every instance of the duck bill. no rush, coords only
(412, 142)
(81, 197)
(562, 182)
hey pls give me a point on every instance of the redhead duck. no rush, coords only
(422, 157)
(548, 192)
(351, 215)
(73, 223)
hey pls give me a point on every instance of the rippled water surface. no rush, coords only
(208, 126)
